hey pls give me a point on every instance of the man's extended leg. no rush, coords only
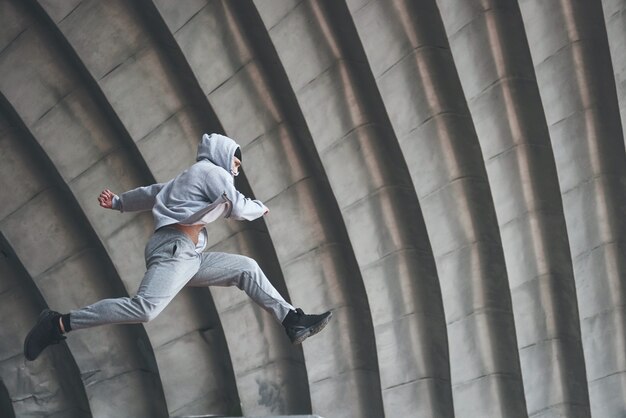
(171, 261)
(159, 286)
(222, 269)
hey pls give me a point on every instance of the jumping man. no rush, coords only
(174, 254)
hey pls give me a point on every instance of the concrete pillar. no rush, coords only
(53, 385)
(274, 379)
(127, 73)
(336, 94)
(317, 262)
(415, 73)
(489, 45)
(50, 237)
(570, 52)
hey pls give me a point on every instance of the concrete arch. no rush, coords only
(582, 112)
(422, 94)
(191, 323)
(239, 90)
(371, 183)
(46, 220)
(98, 89)
(178, 129)
(52, 388)
(504, 101)
(274, 380)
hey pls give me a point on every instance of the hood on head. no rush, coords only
(218, 149)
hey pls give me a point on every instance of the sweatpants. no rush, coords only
(173, 263)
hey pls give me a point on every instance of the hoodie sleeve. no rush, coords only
(139, 199)
(244, 208)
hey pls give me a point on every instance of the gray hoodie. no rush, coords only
(199, 195)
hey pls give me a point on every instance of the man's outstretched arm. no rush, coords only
(141, 198)
(243, 207)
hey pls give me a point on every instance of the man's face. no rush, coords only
(235, 166)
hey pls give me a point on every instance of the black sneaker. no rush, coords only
(44, 333)
(299, 326)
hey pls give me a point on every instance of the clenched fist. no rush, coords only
(106, 199)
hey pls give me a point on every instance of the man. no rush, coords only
(174, 254)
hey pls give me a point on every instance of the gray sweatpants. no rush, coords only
(173, 263)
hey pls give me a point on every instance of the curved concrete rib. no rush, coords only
(187, 336)
(273, 381)
(52, 386)
(271, 375)
(43, 219)
(407, 47)
(570, 51)
(615, 20)
(316, 260)
(183, 129)
(372, 185)
(489, 45)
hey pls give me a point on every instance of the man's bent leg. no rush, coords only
(222, 269)
(171, 261)
(170, 266)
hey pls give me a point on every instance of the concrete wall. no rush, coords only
(448, 177)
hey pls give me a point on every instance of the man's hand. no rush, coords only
(106, 199)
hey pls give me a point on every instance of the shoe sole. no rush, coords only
(313, 330)
(41, 317)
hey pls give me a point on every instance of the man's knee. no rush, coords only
(147, 316)
(250, 266)
(144, 309)
(248, 270)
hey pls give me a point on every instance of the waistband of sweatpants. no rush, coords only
(170, 232)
